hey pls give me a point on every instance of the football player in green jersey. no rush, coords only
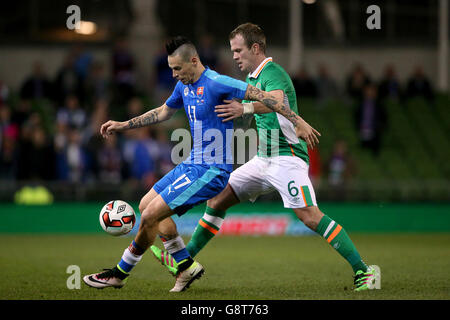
(281, 163)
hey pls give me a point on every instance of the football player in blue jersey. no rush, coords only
(204, 174)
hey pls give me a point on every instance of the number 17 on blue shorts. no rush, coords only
(188, 185)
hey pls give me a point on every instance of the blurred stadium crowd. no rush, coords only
(49, 127)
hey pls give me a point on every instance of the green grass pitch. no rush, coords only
(413, 266)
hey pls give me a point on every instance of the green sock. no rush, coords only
(339, 240)
(207, 228)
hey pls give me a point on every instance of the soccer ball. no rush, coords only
(117, 217)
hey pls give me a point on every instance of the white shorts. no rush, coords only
(286, 174)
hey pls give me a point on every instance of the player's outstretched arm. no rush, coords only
(233, 109)
(302, 128)
(157, 115)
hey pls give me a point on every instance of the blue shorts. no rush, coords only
(188, 185)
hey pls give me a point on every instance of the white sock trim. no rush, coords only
(131, 258)
(174, 245)
(330, 226)
(217, 221)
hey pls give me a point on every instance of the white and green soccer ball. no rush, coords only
(117, 218)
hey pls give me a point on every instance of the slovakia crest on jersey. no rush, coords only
(186, 91)
(200, 92)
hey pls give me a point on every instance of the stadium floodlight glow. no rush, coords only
(86, 27)
(309, 1)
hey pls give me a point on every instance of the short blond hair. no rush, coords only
(252, 34)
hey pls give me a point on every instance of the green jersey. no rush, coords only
(276, 133)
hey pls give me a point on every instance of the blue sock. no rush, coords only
(124, 267)
(181, 255)
(131, 256)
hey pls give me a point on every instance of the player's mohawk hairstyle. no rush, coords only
(173, 44)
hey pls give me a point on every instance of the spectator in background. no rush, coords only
(419, 85)
(98, 116)
(8, 154)
(22, 112)
(37, 157)
(326, 86)
(164, 162)
(304, 85)
(389, 86)
(110, 161)
(140, 153)
(60, 141)
(370, 119)
(207, 51)
(91, 138)
(340, 166)
(97, 85)
(123, 72)
(77, 162)
(82, 62)
(6, 124)
(71, 113)
(25, 146)
(134, 108)
(4, 93)
(67, 81)
(165, 82)
(9, 133)
(356, 82)
(36, 86)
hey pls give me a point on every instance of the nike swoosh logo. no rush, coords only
(95, 280)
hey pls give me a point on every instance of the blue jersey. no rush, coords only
(211, 137)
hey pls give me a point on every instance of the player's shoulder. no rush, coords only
(179, 85)
(272, 68)
(211, 74)
(274, 74)
(216, 79)
(177, 91)
(214, 76)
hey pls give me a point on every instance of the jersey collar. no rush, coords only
(201, 76)
(258, 70)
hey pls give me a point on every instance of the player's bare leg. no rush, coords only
(310, 216)
(167, 231)
(146, 199)
(211, 222)
(224, 200)
(206, 229)
(156, 211)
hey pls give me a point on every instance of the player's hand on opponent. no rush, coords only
(233, 109)
(111, 126)
(304, 131)
(230, 110)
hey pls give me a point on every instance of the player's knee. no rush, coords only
(142, 205)
(310, 216)
(145, 200)
(213, 203)
(148, 218)
(223, 200)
